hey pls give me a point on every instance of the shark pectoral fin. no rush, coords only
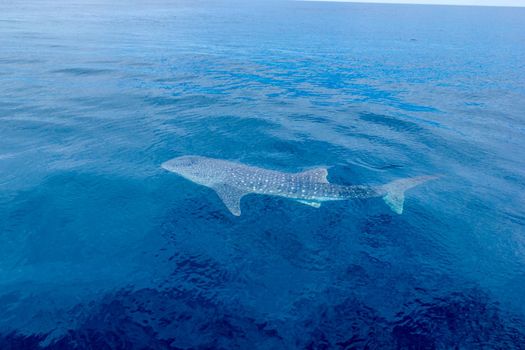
(395, 201)
(312, 204)
(315, 175)
(231, 197)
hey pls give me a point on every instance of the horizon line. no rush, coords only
(432, 3)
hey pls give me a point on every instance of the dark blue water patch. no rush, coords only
(6, 60)
(107, 103)
(393, 123)
(173, 104)
(171, 319)
(82, 71)
(470, 320)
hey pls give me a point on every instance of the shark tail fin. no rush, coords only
(395, 191)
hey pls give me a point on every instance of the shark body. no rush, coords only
(231, 181)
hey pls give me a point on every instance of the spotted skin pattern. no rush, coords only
(233, 180)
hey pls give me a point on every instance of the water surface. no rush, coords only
(101, 248)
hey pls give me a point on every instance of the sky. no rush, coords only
(447, 2)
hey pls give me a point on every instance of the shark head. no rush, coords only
(194, 168)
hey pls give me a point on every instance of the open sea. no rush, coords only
(101, 248)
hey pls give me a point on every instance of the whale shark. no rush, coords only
(232, 181)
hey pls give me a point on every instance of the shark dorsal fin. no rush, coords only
(315, 175)
(230, 196)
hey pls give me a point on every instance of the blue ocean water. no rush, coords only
(100, 248)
